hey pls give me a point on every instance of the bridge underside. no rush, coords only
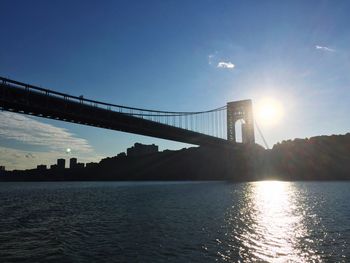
(30, 102)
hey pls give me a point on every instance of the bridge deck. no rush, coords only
(23, 98)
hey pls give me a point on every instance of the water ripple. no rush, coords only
(174, 222)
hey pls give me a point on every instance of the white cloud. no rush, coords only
(223, 64)
(32, 132)
(324, 48)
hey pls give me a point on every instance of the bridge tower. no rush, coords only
(240, 110)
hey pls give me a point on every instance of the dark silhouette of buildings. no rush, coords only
(91, 165)
(72, 163)
(142, 149)
(317, 158)
(61, 163)
(41, 167)
(79, 166)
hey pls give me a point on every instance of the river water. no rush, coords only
(266, 221)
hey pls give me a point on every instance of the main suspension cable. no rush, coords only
(261, 135)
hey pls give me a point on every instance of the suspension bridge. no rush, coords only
(215, 127)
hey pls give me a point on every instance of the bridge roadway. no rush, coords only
(27, 99)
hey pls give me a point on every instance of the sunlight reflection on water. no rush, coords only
(175, 222)
(270, 225)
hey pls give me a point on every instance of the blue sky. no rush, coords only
(165, 55)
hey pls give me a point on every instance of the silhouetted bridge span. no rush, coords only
(212, 127)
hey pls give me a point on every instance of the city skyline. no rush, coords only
(174, 56)
(71, 162)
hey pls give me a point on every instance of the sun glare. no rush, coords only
(269, 111)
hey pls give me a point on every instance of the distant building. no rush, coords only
(53, 166)
(61, 163)
(142, 149)
(91, 165)
(72, 163)
(41, 167)
(80, 165)
(2, 169)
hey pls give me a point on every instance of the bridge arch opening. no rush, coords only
(239, 125)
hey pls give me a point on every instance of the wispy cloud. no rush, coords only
(210, 59)
(223, 64)
(51, 142)
(32, 132)
(20, 159)
(324, 48)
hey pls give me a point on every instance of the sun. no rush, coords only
(269, 111)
